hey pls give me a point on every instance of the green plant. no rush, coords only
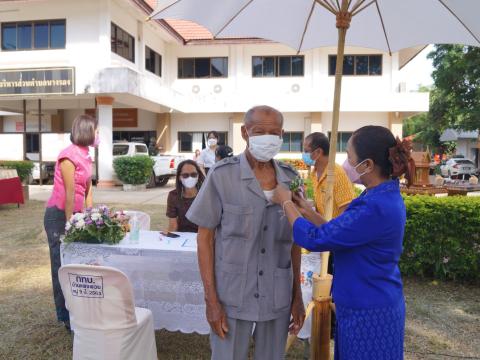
(442, 238)
(24, 168)
(133, 170)
(309, 192)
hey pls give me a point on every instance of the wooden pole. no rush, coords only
(321, 318)
(321, 314)
(342, 32)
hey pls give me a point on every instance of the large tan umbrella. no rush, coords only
(388, 25)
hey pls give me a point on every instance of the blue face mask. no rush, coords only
(307, 159)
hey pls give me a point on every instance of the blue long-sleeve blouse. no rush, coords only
(367, 243)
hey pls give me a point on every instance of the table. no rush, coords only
(11, 191)
(165, 277)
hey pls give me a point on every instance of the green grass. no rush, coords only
(441, 317)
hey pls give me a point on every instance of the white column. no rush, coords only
(105, 149)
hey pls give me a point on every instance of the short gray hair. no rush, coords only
(262, 108)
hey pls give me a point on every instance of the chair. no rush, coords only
(106, 323)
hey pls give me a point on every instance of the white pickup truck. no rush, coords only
(164, 168)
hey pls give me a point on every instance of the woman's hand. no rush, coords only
(302, 205)
(281, 194)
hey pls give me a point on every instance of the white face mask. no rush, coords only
(189, 182)
(212, 142)
(264, 147)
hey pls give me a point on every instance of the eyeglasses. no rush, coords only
(187, 175)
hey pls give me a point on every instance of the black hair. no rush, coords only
(214, 133)
(224, 151)
(375, 142)
(178, 182)
(319, 140)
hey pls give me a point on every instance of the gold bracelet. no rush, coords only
(286, 202)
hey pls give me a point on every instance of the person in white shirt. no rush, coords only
(207, 156)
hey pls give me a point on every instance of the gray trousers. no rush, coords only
(269, 339)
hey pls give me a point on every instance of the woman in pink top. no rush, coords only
(72, 191)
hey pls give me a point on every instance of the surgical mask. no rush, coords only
(212, 142)
(190, 182)
(96, 142)
(264, 147)
(307, 159)
(352, 172)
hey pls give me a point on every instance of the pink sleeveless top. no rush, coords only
(79, 156)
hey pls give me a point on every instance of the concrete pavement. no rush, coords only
(111, 196)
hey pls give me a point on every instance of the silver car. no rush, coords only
(458, 167)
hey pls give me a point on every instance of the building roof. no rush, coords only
(189, 30)
(454, 135)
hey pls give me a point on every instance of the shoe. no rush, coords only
(67, 325)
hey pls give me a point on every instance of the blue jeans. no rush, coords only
(54, 222)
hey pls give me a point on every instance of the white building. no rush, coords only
(173, 82)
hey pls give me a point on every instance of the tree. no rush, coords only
(426, 130)
(455, 99)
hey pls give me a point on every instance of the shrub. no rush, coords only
(442, 237)
(133, 170)
(24, 168)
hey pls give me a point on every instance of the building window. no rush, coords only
(342, 140)
(33, 35)
(277, 66)
(292, 142)
(153, 61)
(33, 143)
(123, 43)
(357, 65)
(202, 68)
(191, 141)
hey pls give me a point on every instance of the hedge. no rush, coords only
(134, 170)
(442, 237)
(24, 168)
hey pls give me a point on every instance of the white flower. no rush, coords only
(68, 226)
(80, 224)
(95, 210)
(95, 216)
(79, 216)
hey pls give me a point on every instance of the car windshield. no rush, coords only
(464, 162)
(120, 150)
(141, 149)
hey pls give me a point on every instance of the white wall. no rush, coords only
(352, 121)
(12, 147)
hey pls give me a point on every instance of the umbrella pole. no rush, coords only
(321, 314)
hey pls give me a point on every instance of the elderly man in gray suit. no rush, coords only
(249, 265)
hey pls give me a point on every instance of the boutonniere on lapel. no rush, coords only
(297, 185)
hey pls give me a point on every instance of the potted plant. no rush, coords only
(133, 171)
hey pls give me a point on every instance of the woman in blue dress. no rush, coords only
(366, 241)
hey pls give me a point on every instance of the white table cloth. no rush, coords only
(165, 277)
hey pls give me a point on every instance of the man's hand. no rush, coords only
(298, 315)
(217, 318)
